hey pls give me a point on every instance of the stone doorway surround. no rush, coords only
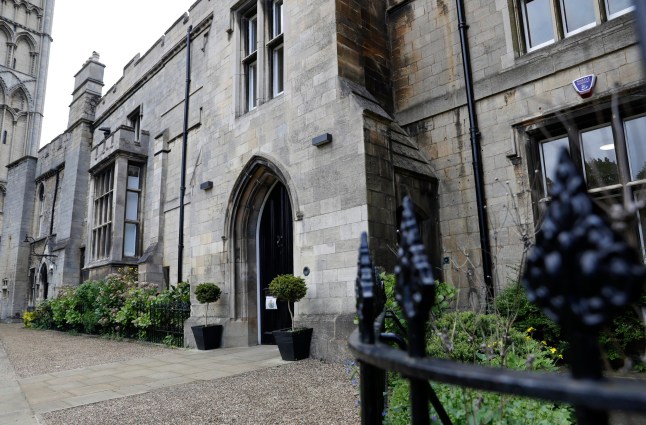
(249, 193)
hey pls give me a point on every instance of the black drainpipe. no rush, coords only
(182, 186)
(483, 223)
(51, 221)
(641, 27)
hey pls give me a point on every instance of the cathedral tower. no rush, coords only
(25, 39)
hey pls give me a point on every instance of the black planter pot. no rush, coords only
(207, 337)
(294, 345)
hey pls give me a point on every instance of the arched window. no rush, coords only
(18, 100)
(5, 39)
(41, 208)
(3, 194)
(23, 55)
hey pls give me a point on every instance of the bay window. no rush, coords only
(131, 223)
(102, 217)
(613, 166)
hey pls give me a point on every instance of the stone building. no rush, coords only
(303, 125)
(25, 37)
(525, 56)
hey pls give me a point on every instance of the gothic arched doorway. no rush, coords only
(260, 222)
(275, 257)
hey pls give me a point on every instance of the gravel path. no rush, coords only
(308, 392)
(36, 352)
(304, 392)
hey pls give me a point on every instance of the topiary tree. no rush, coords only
(207, 293)
(290, 288)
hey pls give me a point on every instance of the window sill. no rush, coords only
(275, 41)
(594, 41)
(274, 101)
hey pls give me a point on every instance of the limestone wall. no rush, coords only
(327, 184)
(512, 89)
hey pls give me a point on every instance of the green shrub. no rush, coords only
(207, 293)
(28, 317)
(623, 339)
(486, 339)
(116, 306)
(133, 316)
(445, 296)
(470, 337)
(85, 318)
(390, 280)
(288, 288)
(43, 318)
(60, 306)
(467, 406)
(109, 301)
(512, 303)
(178, 293)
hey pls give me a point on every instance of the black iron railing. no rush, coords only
(166, 322)
(155, 321)
(579, 272)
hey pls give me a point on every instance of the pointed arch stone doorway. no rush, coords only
(261, 244)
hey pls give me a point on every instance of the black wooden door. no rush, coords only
(44, 282)
(276, 258)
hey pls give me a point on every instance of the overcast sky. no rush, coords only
(117, 30)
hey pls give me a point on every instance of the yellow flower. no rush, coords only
(552, 350)
(530, 329)
(543, 342)
(528, 338)
(560, 356)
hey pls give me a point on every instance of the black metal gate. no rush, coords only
(579, 272)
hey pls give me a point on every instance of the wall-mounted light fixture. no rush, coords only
(321, 140)
(106, 132)
(28, 239)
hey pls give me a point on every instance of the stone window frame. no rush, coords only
(134, 193)
(134, 121)
(249, 42)
(264, 66)
(276, 49)
(3, 196)
(41, 209)
(567, 130)
(107, 246)
(33, 52)
(102, 212)
(557, 13)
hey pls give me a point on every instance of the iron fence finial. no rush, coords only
(415, 290)
(365, 293)
(580, 272)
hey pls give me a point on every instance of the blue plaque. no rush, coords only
(585, 85)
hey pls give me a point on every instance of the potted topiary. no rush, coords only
(207, 336)
(294, 343)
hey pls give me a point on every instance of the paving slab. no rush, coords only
(61, 390)
(14, 407)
